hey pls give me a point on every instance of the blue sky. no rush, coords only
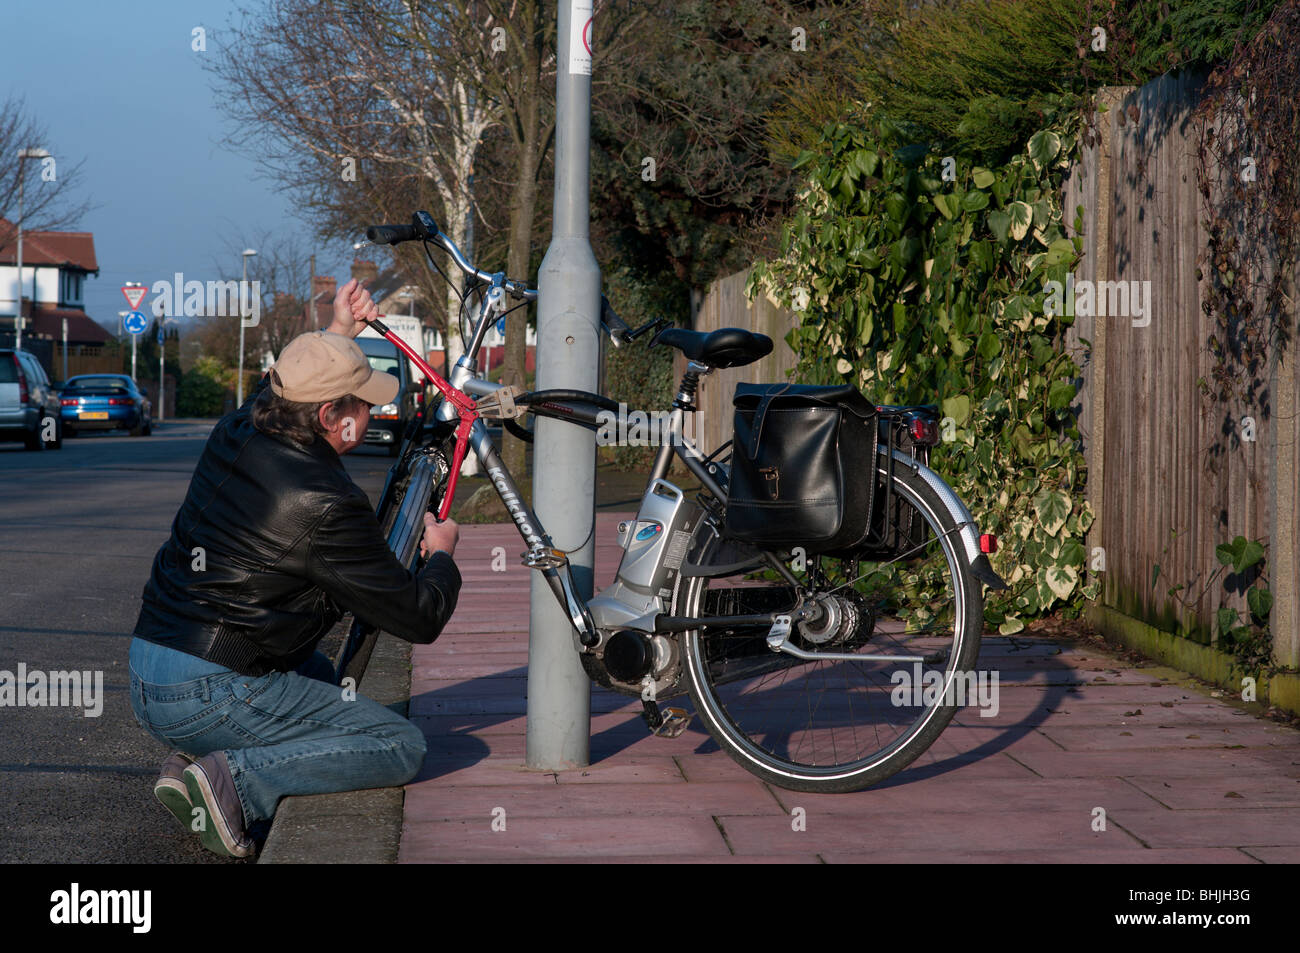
(117, 84)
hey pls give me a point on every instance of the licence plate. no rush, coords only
(93, 415)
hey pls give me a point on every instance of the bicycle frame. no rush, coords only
(471, 432)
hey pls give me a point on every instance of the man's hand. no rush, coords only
(352, 309)
(439, 536)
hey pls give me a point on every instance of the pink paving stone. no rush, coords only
(671, 800)
(1049, 854)
(1101, 714)
(1119, 737)
(1266, 827)
(561, 838)
(675, 859)
(922, 828)
(1214, 792)
(435, 726)
(1275, 855)
(1172, 762)
(976, 796)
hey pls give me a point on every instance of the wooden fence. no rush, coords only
(725, 306)
(1172, 475)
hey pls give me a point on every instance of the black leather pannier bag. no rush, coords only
(802, 467)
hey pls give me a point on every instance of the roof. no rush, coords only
(47, 322)
(64, 249)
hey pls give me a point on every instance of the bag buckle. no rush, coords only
(771, 476)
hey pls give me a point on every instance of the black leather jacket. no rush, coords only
(272, 544)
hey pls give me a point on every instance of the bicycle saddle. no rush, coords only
(725, 347)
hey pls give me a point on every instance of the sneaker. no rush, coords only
(213, 789)
(170, 789)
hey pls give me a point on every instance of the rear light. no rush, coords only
(924, 432)
(22, 380)
(126, 401)
(988, 543)
(70, 401)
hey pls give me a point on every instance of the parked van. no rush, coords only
(389, 422)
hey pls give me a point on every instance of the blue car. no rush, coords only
(105, 402)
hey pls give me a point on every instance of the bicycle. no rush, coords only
(793, 661)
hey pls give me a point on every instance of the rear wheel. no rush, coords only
(835, 725)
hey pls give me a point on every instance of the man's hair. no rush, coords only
(298, 421)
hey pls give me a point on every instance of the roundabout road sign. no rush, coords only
(136, 322)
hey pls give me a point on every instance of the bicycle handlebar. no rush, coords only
(424, 228)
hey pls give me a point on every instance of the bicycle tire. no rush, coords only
(754, 720)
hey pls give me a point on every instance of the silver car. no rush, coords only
(29, 406)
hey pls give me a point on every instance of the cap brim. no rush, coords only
(380, 389)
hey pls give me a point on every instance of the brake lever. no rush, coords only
(655, 325)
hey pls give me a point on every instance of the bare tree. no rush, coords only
(48, 196)
(368, 109)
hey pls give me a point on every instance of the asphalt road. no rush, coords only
(79, 528)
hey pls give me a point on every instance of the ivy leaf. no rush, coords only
(974, 201)
(1052, 508)
(1062, 580)
(982, 178)
(804, 158)
(1072, 554)
(1259, 600)
(989, 346)
(999, 224)
(1226, 618)
(958, 408)
(1043, 147)
(1060, 394)
(1011, 626)
(865, 161)
(896, 206)
(1022, 215)
(946, 204)
(1251, 553)
(1059, 251)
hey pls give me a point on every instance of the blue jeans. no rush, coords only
(283, 733)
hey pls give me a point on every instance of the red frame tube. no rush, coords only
(466, 407)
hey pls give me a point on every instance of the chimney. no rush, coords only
(365, 271)
(323, 289)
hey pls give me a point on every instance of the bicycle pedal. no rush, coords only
(675, 721)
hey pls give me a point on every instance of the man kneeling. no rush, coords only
(273, 543)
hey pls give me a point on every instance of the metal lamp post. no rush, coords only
(23, 154)
(239, 386)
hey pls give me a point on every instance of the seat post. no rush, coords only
(682, 405)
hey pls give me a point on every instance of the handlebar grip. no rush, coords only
(391, 234)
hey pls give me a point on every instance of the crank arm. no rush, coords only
(561, 583)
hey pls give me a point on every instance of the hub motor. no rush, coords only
(842, 618)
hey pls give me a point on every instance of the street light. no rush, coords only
(239, 387)
(23, 154)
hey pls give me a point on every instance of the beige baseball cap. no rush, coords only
(321, 365)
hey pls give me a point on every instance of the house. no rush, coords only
(395, 296)
(55, 266)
